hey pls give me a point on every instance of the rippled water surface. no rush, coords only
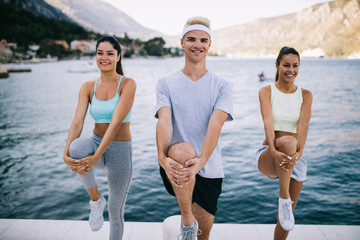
(37, 109)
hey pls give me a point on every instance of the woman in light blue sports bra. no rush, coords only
(111, 97)
(286, 112)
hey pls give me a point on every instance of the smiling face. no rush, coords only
(106, 57)
(196, 45)
(288, 67)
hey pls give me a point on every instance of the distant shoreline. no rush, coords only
(55, 59)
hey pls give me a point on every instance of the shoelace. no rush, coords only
(286, 210)
(199, 232)
(95, 210)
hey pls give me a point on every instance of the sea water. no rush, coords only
(36, 110)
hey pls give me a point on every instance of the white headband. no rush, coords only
(196, 27)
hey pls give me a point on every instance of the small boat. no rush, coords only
(262, 77)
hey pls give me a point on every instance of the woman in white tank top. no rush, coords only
(286, 112)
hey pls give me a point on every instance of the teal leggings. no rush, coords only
(117, 160)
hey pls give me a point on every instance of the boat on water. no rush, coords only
(263, 78)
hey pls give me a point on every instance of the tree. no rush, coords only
(155, 46)
(128, 52)
(142, 52)
(48, 46)
(125, 40)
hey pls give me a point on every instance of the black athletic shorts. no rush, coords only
(206, 191)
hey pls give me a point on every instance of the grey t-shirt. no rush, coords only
(192, 103)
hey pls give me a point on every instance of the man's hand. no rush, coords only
(176, 172)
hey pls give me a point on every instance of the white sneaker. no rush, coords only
(96, 218)
(286, 216)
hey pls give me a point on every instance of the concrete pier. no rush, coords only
(3, 71)
(21, 229)
(19, 70)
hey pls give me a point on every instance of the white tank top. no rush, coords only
(286, 109)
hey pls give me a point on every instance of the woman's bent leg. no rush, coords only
(80, 148)
(287, 145)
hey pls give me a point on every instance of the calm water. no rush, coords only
(37, 109)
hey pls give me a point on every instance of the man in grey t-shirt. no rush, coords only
(192, 105)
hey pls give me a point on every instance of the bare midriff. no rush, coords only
(123, 134)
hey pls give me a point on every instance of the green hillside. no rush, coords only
(24, 28)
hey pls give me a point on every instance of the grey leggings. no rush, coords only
(117, 160)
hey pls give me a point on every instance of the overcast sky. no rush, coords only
(169, 17)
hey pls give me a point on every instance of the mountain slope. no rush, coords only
(37, 7)
(333, 26)
(102, 17)
(25, 27)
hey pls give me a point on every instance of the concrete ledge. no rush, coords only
(3, 71)
(21, 229)
(19, 70)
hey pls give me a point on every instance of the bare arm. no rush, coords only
(216, 122)
(266, 113)
(164, 130)
(77, 126)
(303, 124)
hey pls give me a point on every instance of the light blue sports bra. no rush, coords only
(102, 111)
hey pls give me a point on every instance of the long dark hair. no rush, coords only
(115, 43)
(285, 51)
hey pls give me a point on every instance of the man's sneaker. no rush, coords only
(96, 218)
(189, 232)
(286, 216)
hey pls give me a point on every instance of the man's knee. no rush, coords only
(181, 152)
